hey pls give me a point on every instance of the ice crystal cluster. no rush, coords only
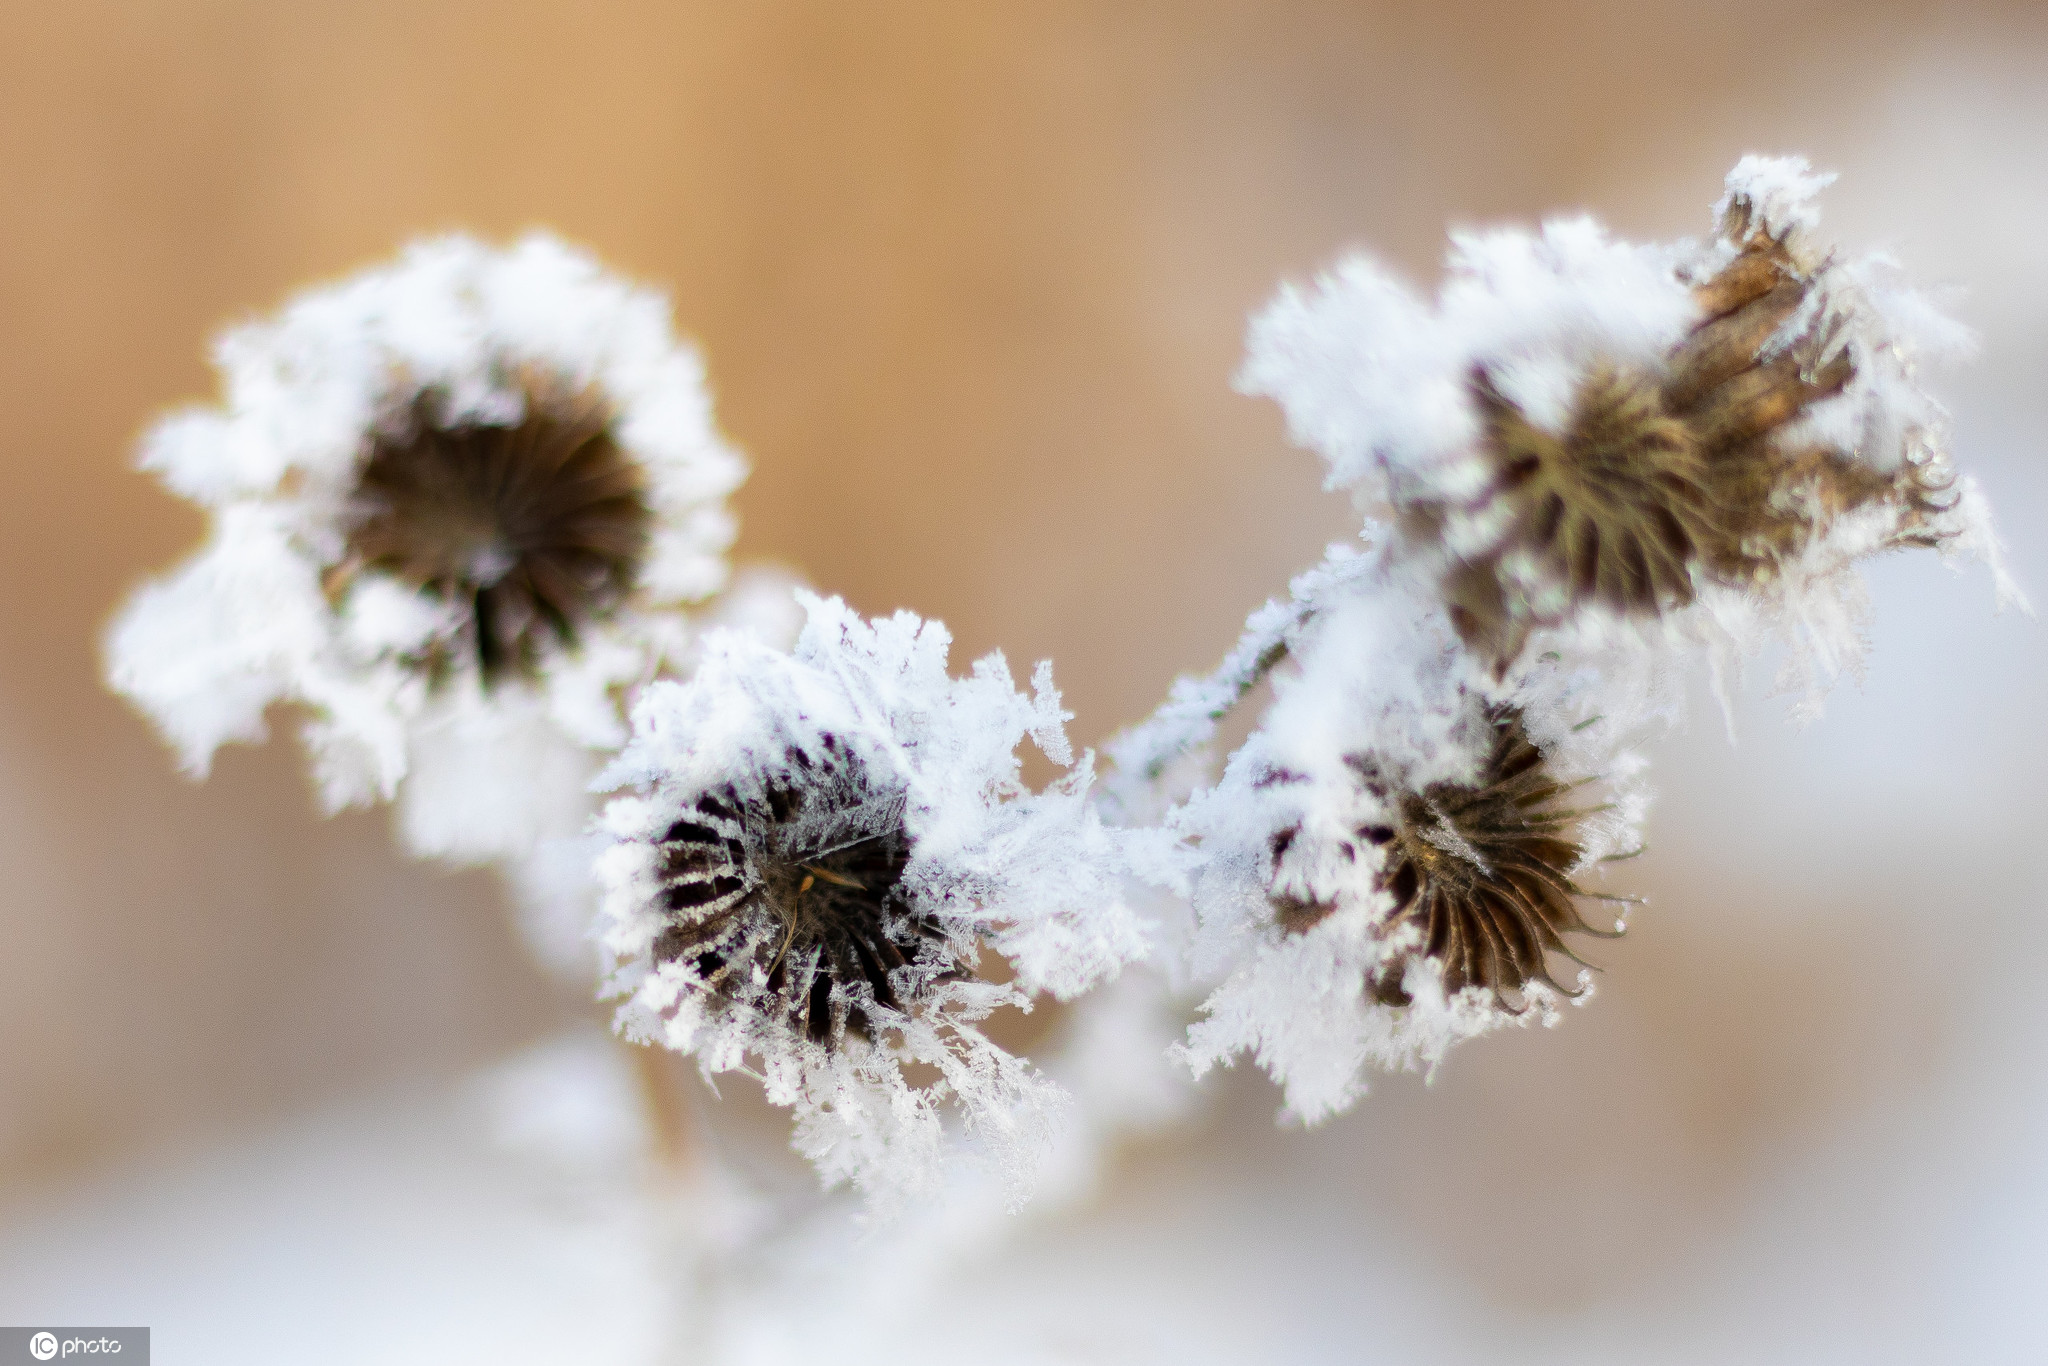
(460, 504)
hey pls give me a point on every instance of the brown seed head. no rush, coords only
(1656, 480)
(1735, 393)
(791, 902)
(1479, 873)
(1613, 511)
(536, 528)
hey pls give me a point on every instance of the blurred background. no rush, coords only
(972, 282)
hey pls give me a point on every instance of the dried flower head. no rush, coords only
(790, 900)
(1580, 428)
(532, 529)
(1661, 476)
(1480, 873)
(1613, 510)
(1395, 859)
(821, 846)
(455, 501)
(1473, 875)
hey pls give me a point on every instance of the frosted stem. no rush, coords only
(1187, 720)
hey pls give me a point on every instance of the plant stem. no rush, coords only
(671, 1118)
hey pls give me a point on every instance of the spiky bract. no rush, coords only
(1482, 872)
(788, 901)
(1614, 510)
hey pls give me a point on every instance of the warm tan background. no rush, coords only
(972, 281)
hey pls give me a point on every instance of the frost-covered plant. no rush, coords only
(454, 502)
(1589, 455)
(822, 845)
(460, 503)
(1586, 428)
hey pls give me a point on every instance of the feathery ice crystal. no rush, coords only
(452, 501)
(1591, 453)
(822, 845)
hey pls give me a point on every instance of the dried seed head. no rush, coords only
(1736, 385)
(1614, 510)
(1479, 873)
(789, 903)
(455, 501)
(534, 529)
(1658, 482)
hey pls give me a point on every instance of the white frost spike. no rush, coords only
(819, 844)
(273, 610)
(1779, 190)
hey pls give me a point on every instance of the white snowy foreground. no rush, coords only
(396, 1230)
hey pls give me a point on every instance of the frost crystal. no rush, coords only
(822, 844)
(453, 501)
